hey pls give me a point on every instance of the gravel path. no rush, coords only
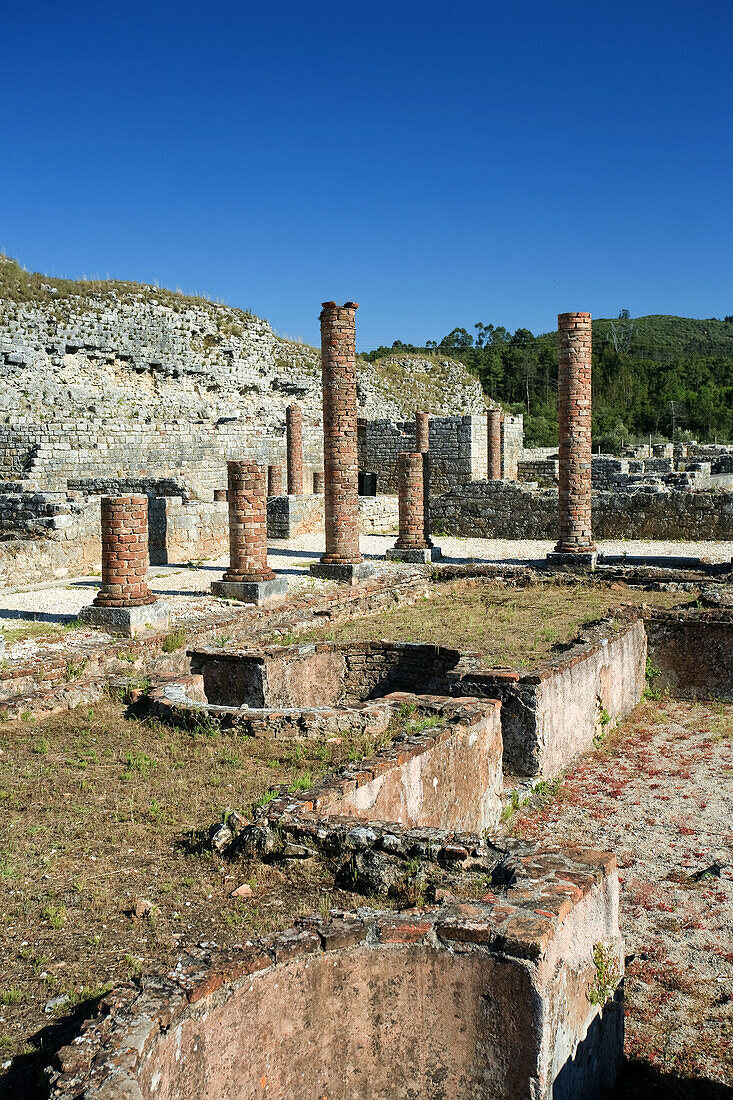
(660, 795)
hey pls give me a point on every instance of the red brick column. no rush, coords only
(410, 488)
(422, 444)
(318, 481)
(494, 419)
(574, 412)
(422, 432)
(338, 354)
(274, 481)
(294, 431)
(247, 523)
(124, 553)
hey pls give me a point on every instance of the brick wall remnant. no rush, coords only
(274, 481)
(494, 419)
(338, 354)
(294, 431)
(124, 553)
(247, 524)
(318, 481)
(574, 410)
(412, 503)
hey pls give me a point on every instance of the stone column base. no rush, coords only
(421, 557)
(344, 574)
(256, 592)
(584, 560)
(128, 621)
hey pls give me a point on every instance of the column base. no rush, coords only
(128, 621)
(420, 557)
(561, 561)
(344, 574)
(256, 592)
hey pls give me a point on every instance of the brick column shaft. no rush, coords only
(494, 419)
(422, 444)
(318, 481)
(574, 413)
(338, 354)
(422, 432)
(274, 481)
(410, 467)
(247, 523)
(124, 553)
(294, 431)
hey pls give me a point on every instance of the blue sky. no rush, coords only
(440, 163)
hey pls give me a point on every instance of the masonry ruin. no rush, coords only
(364, 1000)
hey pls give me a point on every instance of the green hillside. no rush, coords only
(671, 377)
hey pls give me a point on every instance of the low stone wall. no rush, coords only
(325, 674)
(364, 1004)
(692, 652)
(458, 449)
(551, 716)
(495, 509)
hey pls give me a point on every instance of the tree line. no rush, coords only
(669, 377)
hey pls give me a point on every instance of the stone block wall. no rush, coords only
(512, 444)
(692, 652)
(489, 509)
(458, 449)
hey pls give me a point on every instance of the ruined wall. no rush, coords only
(512, 444)
(692, 653)
(551, 716)
(458, 449)
(490, 509)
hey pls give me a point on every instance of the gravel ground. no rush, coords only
(660, 795)
(186, 589)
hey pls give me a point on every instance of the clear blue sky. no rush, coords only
(440, 163)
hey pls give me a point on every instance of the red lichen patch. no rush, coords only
(659, 793)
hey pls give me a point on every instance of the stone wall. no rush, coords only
(364, 1004)
(490, 509)
(458, 449)
(550, 716)
(692, 653)
(512, 444)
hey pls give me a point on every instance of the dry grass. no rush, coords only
(516, 627)
(97, 811)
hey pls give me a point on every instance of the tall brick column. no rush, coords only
(422, 444)
(124, 603)
(274, 481)
(249, 577)
(574, 413)
(294, 432)
(342, 560)
(494, 419)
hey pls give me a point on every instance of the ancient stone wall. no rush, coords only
(691, 653)
(458, 449)
(512, 444)
(488, 509)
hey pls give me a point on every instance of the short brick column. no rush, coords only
(574, 414)
(124, 603)
(494, 418)
(318, 481)
(413, 544)
(249, 577)
(294, 432)
(274, 481)
(342, 560)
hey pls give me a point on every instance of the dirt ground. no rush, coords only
(509, 626)
(659, 793)
(102, 876)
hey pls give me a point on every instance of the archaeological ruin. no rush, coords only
(254, 606)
